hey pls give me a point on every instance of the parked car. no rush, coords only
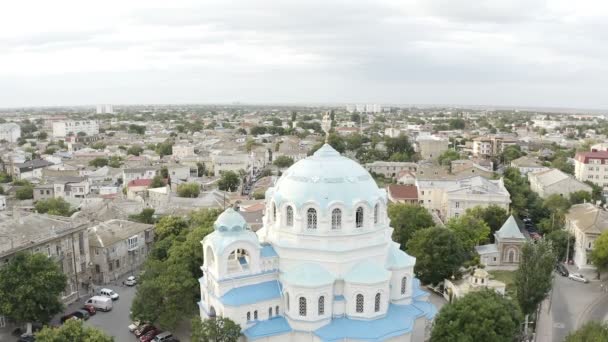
(164, 337)
(72, 315)
(561, 269)
(131, 281)
(578, 277)
(109, 293)
(133, 326)
(143, 329)
(82, 314)
(90, 309)
(100, 303)
(149, 336)
(27, 338)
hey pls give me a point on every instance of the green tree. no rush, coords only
(599, 254)
(99, 162)
(457, 123)
(559, 241)
(257, 130)
(30, 286)
(220, 329)
(229, 181)
(25, 192)
(478, 316)
(590, 332)
(169, 226)
(145, 216)
(5, 178)
(561, 163)
(201, 169)
(534, 275)
(581, 196)
(164, 148)
(99, 145)
(470, 230)
(72, 330)
(493, 215)
(42, 136)
(136, 129)
(355, 117)
(283, 162)
(406, 219)
(190, 190)
(54, 206)
(157, 182)
(439, 254)
(135, 150)
(511, 153)
(447, 157)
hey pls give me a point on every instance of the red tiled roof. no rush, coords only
(140, 182)
(585, 156)
(403, 191)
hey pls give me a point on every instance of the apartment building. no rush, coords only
(10, 132)
(555, 182)
(390, 169)
(430, 146)
(491, 146)
(64, 128)
(592, 166)
(586, 222)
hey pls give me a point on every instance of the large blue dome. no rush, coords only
(326, 177)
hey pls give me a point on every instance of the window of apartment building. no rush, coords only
(117, 263)
(132, 242)
(96, 251)
(97, 268)
(48, 250)
(81, 242)
(110, 266)
(457, 204)
(58, 249)
(42, 192)
(422, 192)
(83, 266)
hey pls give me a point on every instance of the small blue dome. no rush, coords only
(230, 221)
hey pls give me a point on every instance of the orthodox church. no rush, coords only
(322, 268)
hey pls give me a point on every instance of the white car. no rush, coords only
(133, 326)
(109, 293)
(578, 277)
(131, 281)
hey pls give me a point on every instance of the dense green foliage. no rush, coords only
(99, 162)
(135, 150)
(30, 286)
(470, 230)
(590, 332)
(534, 276)
(493, 215)
(439, 254)
(407, 219)
(25, 192)
(229, 181)
(478, 316)
(559, 241)
(54, 206)
(220, 329)
(447, 157)
(145, 216)
(72, 330)
(599, 254)
(191, 190)
(157, 182)
(283, 162)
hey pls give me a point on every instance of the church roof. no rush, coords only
(250, 294)
(308, 275)
(367, 272)
(326, 177)
(510, 230)
(230, 220)
(275, 326)
(399, 259)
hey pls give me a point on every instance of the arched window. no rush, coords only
(289, 214)
(255, 315)
(377, 302)
(336, 219)
(359, 217)
(359, 303)
(311, 216)
(403, 285)
(248, 316)
(376, 213)
(270, 312)
(321, 305)
(274, 212)
(302, 306)
(276, 310)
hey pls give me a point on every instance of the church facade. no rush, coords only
(322, 268)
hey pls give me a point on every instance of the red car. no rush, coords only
(142, 330)
(90, 309)
(149, 336)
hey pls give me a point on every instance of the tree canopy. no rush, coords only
(493, 215)
(157, 182)
(229, 181)
(590, 332)
(135, 150)
(30, 285)
(54, 206)
(283, 161)
(407, 219)
(534, 275)
(470, 230)
(478, 316)
(447, 157)
(439, 254)
(99, 162)
(220, 329)
(599, 254)
(191, 190)
(72, 330)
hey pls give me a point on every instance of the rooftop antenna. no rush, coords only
(326, 125)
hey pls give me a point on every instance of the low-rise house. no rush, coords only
(222, 163)
(62, 239)
(527, 164)
(585, 222)
(182, 151)
(402, 193)
(138, 188)
(554, 181)
(29, 169)
(118, 247)
(131, 174)
(506, 249)
(390, 169)
(452, 197)
(480, 279)
(179, 172)
(430, 146)
(62, 187)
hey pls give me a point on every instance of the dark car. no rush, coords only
(90, 309)
(149, 336)
(561, 269)
(27, 338)
(73, 315)
(143, 329)
(82, 314)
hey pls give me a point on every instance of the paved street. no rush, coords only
(570, 305)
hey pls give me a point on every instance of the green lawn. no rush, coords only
(507, 277)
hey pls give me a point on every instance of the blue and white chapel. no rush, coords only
(322, 268)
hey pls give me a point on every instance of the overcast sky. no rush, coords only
(486, 52)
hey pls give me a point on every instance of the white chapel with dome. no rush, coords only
(322, 268)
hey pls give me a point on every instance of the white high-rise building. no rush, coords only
(105, 109)
(67, 127)
(10, 132)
